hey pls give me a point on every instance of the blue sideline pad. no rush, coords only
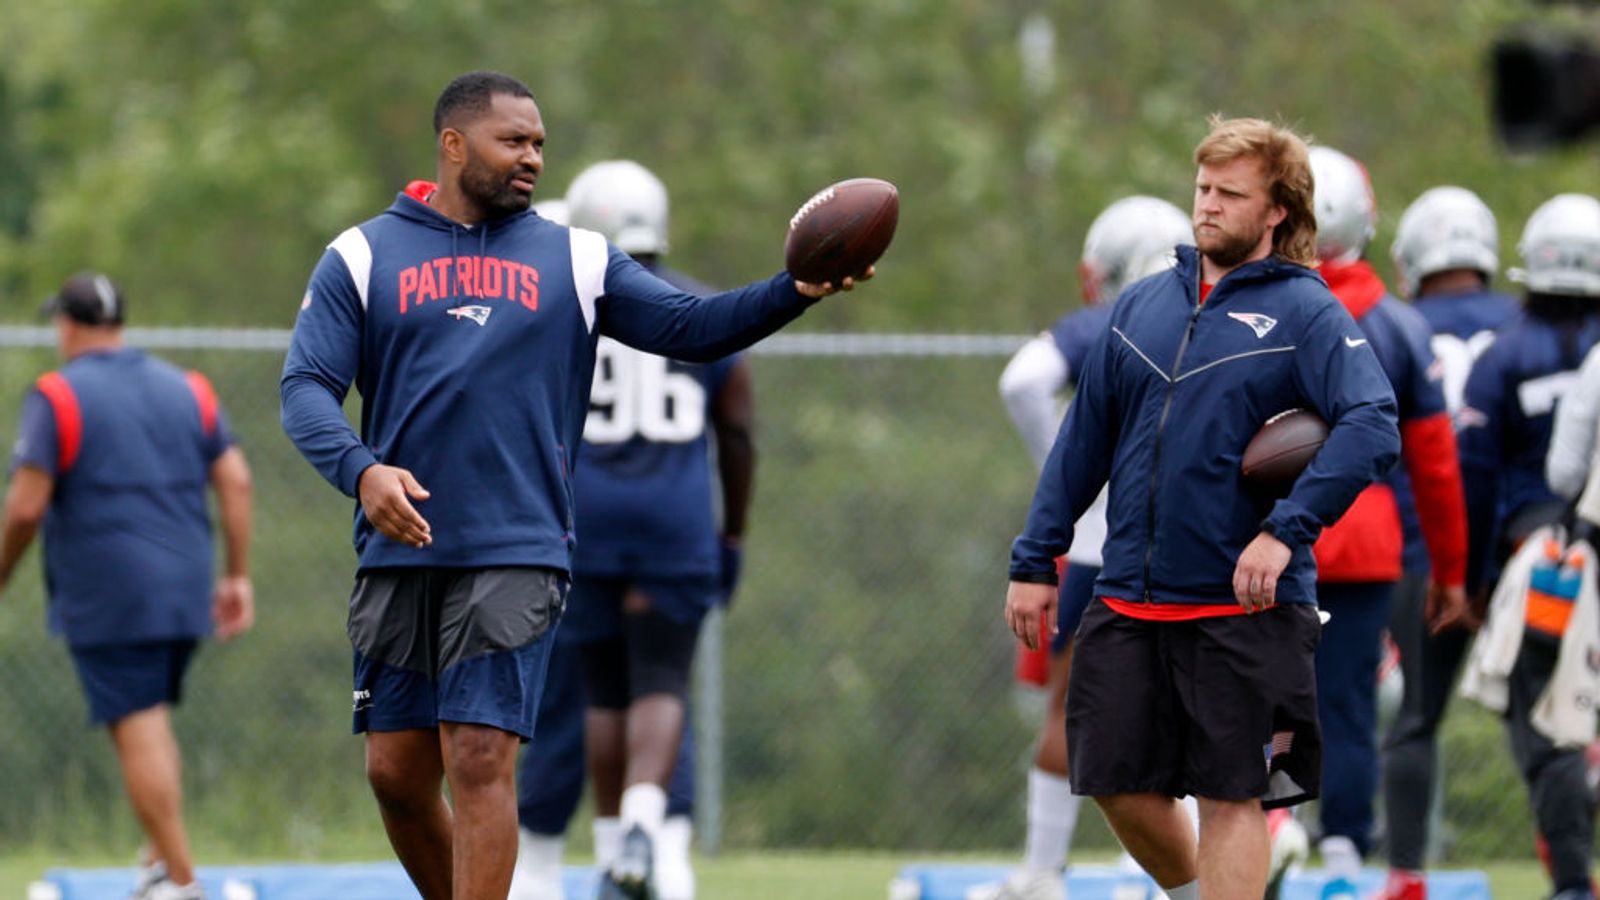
(946, 881)
(353, 881)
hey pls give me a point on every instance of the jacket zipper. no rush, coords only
(1161, 427)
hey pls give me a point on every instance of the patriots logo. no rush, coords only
(1259, 323)
(479, 314)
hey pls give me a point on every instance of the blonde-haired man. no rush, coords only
(1195, 666)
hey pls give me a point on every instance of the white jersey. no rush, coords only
(1033, 381)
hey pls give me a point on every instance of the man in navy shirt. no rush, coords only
(1446, 253)
(1511, 399)
(469, 325)
(1194, 665)
(651, 560)
(112, 460)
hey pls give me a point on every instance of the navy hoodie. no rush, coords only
(473, 349)
(1167, 402)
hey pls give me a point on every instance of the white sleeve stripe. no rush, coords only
(590, 256)
(353, 248)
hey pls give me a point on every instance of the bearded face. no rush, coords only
(1228, 248)
(502, 154)
(497, 190)
(1233, 212)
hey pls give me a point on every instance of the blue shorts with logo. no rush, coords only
(435, 645)
(1077, 589)
(121, 679)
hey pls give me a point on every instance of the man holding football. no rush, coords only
(470, 325)
(1194, 669)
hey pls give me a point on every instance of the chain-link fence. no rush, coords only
(869, 701)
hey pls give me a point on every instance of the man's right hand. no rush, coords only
(1031, 611)
(386, 493)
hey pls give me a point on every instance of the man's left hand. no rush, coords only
(1255, 578)
(818, 291)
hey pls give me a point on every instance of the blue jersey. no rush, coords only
(1463, 326)
(1504, 428)
(473, 349)
(644, 475)
(1077, 332)
(129, 441)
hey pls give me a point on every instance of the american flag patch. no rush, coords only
(1282, 742)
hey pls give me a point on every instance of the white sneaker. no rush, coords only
(165, 889)
(149, 876)
(1291, 847)
(1022, 885)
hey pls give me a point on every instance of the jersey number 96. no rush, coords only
(636, 394)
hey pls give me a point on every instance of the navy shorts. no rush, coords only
(438, 645)
(1077, 589)
(121, 679)
(595, 613)
(1223, 708)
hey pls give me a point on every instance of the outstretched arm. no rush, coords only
(634, 306)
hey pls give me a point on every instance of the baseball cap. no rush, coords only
(90, 298)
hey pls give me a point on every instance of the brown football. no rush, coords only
(1282, 449)
(842, 230)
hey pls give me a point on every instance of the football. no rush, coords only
(842, 230)
(1282, 449)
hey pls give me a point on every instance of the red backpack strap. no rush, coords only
(206, 399)
(69, 418)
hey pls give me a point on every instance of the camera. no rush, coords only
(1546, 88)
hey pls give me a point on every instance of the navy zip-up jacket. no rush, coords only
(1165, 406)
(473, 350)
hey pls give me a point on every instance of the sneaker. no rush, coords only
(165, 889)
(631, 875)
(609, 890)
(149, 876)
(1290, 848)
(1338, 889)
(1022, 885)
(1403, 886)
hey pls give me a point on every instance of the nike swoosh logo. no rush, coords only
(1353, 342)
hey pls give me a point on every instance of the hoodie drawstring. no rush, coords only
(457, 283)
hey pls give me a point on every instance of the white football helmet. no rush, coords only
(1347, 215)
(623, 201)
(554, 210)
(1446, 228)
(1132, 238)
(1560, 247)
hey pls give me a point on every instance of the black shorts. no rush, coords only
(653, 655)
(1223, 708)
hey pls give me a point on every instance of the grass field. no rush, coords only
(767, 876)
